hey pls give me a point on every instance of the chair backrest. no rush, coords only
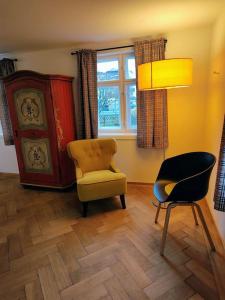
(191, 163)
(93, 154)
(192, 171)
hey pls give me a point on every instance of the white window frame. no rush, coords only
(122, 83)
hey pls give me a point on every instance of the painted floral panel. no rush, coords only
(36, 155)
(30, 109)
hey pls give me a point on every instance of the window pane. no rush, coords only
(109, 115)
(131, 106)
(130, 70)
(108, 70)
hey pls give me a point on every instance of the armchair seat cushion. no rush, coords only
(101, 184)
(100, 176)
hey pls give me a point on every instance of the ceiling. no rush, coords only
(40, 24)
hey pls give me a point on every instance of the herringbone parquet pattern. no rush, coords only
(47, 251)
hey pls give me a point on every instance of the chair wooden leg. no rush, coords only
(85, 209)
(157, 213)
(205, 226)
(194, 214)
(123, 203)
(166, 224)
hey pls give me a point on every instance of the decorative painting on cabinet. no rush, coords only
(42, 114)
(30, 108)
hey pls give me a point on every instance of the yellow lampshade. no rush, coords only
(165, 74)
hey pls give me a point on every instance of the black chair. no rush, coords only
(183, 180)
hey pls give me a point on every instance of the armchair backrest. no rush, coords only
(92, 155)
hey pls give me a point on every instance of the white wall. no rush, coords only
(8, 161)
(215, 111)
(186, 106)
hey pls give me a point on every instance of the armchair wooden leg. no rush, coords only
(205, 226)
(157, 213)
(194, 214)
(166, 224)
(85, 209)
(123, 203)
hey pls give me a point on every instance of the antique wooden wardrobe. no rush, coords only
(42, 114)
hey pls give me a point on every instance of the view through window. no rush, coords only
(117, 110)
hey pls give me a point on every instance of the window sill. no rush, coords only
(119, 136)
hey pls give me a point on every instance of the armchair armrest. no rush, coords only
(79, 172)
(113, 168)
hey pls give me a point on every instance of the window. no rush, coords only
(117, 110)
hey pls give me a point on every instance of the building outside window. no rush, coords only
(117, 110)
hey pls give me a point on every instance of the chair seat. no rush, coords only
(163, 188)
(100, 176)
(101, 184)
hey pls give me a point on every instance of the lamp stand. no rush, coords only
(164, 74)
(156, 204)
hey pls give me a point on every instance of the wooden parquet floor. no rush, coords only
(48, 251)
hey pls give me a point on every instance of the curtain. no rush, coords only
(6, 67)
(219, 196)
(152, 123)
(86, 105)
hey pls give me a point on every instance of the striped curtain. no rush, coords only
(86, 105)
(219, 196)
(152, 123)
(6, 68)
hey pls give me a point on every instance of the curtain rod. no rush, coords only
(104, 49)
(13, 59)
(113, 48)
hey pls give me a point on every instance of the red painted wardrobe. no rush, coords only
(42, 114)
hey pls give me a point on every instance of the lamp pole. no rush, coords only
(165, 74)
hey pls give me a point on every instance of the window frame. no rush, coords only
(122, 83)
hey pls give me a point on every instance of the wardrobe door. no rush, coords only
(34, 130)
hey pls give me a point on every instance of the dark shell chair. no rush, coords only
(183, 180)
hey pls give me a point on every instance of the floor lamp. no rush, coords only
(165, 74)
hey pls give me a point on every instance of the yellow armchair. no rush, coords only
(96, 175)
